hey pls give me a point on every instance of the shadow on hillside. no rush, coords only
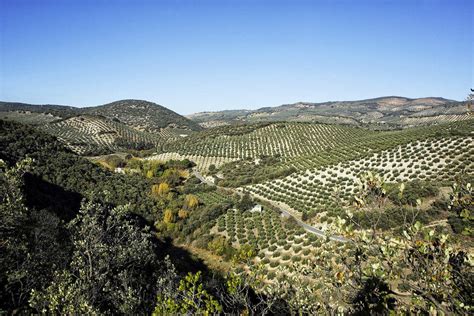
(183, 259)
(41, 194)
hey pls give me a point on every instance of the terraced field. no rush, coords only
(294, 147)
(92, 134)
(425, 120)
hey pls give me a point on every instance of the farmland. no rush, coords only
(91, 134)
(272, 204)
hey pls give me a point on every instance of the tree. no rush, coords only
(218, 245)
(188, 298)
(462, 204)
(168, 216)
(111, 268)
(33, 243)
(183, 214)
(14, 217)
(245, 202)
(159, 190)
(171, 176)
(419, 271)
(190, 202)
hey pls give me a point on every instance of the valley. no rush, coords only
(275, 201)
(236, 157)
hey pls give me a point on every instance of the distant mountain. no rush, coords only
(389, 111)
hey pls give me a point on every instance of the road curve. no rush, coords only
(286, 213)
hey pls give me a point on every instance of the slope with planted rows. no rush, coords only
(88, 134)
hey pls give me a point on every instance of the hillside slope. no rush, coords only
(143, 115)
(92, 134)
(121, 125)
(138, 114)
(385, 111)
(259, 152)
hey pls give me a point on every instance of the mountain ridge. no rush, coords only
(391, 111)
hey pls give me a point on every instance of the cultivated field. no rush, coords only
(92, 134)
(318, 189)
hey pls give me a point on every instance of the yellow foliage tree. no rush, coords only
(149, 174)
(160, 189)
(183, 173)
(163, 188)
(155, 190)
(191, 201)
(183, 214)
(168, 216)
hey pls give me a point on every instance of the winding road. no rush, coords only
(284, 211)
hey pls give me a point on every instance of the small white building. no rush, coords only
(257, 208)
(119, 170)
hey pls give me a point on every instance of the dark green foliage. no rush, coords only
(457, 224)
(115, 161)
(34, 243)
(413, 190)
(104, 261)
(245, 203)
(56, 169)
(202, 220)
(112, 265)
(246, 172)
(373, 298)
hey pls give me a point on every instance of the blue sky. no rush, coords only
(194, 56)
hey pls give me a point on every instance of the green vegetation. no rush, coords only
(126, 234)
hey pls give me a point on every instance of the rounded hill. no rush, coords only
(143, 115)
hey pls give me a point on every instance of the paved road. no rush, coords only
(198, 175)
(285, 212)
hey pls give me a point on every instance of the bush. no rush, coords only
(413, 191)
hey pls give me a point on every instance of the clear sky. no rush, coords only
(193, 56)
